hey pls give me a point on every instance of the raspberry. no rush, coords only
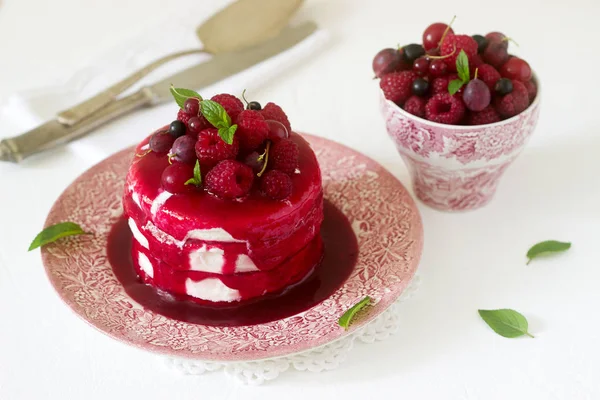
(440, 85)
(273, 112)
(183, 117)
(230, 103)
(445, 108)
(458, 42)
(416, 106)
(397, 86)
(486, 116)
(489, 75)
(230, 179)
(284, 156)
(252, 129)
(513, 103)
(531, 90)
(276, 185)
(210, 148)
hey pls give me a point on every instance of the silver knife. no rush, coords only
(221, 66)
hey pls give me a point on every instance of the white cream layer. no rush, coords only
(206, 258)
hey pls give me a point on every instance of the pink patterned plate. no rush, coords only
(383, 216)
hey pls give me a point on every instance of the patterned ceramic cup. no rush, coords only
(457, 167)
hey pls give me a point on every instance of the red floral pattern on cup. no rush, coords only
(457, 167)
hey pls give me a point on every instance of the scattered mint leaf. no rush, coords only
(547, 247)
(505, 322)
(215, 114)
(55, 232)
(345, 319)
(462, 66)
(454, 86)
(196, 180)
(227, 133)
(181, 95)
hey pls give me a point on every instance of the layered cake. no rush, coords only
(225, 204)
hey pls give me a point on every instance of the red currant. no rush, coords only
(175, 176)
(497, 37)
(437, 68)
(421, 66)
(433, 34)
(277, 131)
(516, 68)
(192, 106)
(196, 125)
(495, 54)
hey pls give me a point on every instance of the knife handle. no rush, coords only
(53, 133)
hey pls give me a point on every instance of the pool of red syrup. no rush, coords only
(341, 253)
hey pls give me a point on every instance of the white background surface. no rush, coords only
(471, 260)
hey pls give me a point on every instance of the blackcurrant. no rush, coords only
(420, 87)
(503, 86)
(254, 105)
(177, 129)
(482, 43)
(412, 51)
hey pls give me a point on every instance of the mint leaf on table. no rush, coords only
(462, 66)
(196, 180)
(454, 86)
(345, 319)
(181, 95)
(218, 117)
(506, 322)
(55, 232)
(545, 248)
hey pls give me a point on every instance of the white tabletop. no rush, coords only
(470, 261)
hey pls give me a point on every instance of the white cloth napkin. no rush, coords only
(24, 111)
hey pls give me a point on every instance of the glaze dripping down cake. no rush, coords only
(225, 204)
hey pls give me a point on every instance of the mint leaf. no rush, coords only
(215, 114)
(181, 95)
(505, 322)
(462, 66)
(55, 232)
(454, 86)
(345, 319)
(227, 133)
(196, 180)
(547, 247)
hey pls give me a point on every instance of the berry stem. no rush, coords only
(144, 153)
(442, 57)
(244, 96)
(266, 157)
(446, 31)
(476, 70)
(507, 39)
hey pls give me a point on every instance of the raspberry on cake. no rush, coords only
(215, 229)
(486, 83)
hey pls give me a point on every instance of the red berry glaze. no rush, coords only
(513, 103)
(284, 156)
(210, 148)
(175, 176)
(276, 185)
(416, 106)
(516, 68)
(433, 34)
(230, 103)
(445, 108)
(230, 179)
(452, 46)
(252, 130)
(397, 86)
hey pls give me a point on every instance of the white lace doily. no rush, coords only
(323, 358)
